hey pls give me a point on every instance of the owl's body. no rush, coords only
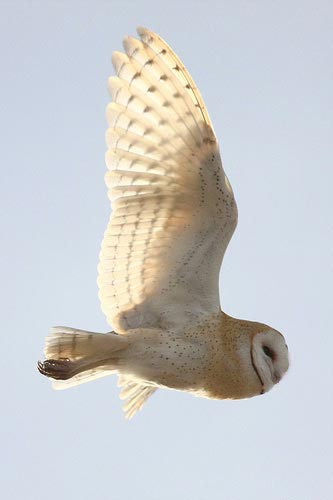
(173, 214)
(208, 360)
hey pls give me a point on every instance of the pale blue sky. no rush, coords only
(265, 71)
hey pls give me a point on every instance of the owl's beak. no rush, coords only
(276, 377)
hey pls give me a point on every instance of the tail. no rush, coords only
(77, 356)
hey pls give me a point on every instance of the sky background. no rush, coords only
(265, 71)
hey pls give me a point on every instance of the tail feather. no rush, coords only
(81, 378)
(77, 356)
(66, 342)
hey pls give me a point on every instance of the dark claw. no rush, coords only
(59, 369)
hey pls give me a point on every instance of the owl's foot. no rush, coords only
(59, 369)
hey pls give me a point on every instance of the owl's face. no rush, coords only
(269, 357)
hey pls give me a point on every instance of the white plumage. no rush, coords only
(173, 214)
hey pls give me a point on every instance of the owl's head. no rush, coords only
(269, 357)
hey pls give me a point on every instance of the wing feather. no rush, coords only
(173, 210)
(135, 395)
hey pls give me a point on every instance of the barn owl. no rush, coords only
(173, 214)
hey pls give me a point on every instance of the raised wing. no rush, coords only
(173, 210)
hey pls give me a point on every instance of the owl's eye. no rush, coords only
(268, 352)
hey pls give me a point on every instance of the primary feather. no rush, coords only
(173, 211)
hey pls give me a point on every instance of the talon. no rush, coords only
(59, 369)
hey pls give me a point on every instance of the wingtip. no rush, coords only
(145, 34)
(141, 30)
